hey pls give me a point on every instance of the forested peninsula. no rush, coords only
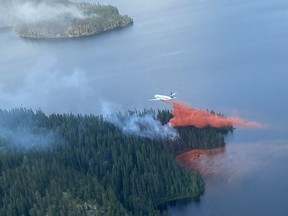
(67, 164)
(71, 20)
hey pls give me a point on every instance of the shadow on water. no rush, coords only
(178, 204)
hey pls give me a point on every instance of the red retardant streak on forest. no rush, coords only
(187, 116)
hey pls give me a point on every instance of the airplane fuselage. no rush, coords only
(162, 97)
(158, 97)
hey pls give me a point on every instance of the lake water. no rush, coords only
(229, 56)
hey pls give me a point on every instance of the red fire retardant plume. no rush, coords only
(186, 116)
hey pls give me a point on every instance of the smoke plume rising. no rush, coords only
(30, 12)
(19, 129)
(143, 125)
(15, 11)
(25, 138)
(188, 116)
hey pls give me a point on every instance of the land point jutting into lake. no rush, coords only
(87, 165)
(89, 19)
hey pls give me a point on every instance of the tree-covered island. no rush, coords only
(76, 20)
(66, 164)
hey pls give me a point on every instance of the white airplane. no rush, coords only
(164, 97)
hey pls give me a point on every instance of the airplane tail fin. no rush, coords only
(172, 95)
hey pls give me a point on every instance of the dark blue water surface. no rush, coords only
(230, 56)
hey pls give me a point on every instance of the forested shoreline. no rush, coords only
(67, 164)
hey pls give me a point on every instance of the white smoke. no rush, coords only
(140, 125)
(25, 138)
(18, 128)
(29, 12)
(49, 88)
(15, 11)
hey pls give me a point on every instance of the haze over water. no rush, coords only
(229, 56)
